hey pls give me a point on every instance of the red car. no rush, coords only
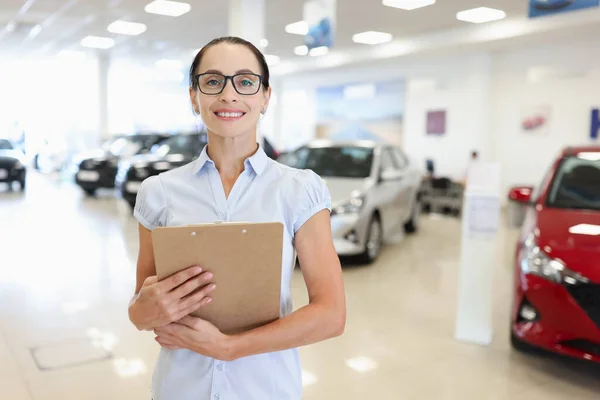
(557, 264)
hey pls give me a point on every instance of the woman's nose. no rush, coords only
(229, 94)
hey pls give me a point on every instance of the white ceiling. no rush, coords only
(66, 22)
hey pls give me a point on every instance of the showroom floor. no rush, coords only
(67, 274)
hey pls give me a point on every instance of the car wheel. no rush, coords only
(22, 184)
(413, 223)
(374, 241)
(90, 192)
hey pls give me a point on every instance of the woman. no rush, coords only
(233, 180)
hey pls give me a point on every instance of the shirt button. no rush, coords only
(216, 396)
(220, 367)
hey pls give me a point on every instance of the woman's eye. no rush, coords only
(247, 82)
(212, 82)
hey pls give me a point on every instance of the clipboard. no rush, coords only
(245, 260)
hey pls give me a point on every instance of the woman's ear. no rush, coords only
(194, 100)
(266, 102)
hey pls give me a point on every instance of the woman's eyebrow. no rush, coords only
(241, 71)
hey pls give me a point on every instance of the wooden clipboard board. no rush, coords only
(245, 260)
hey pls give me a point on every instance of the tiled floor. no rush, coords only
(67, 274)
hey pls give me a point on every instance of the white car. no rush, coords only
(374, 190)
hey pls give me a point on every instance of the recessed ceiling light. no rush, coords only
(372, 37)
(168, 8)
(11, 26)
(480, 15)
(318, 51)
(35, 31)
(301, 50)
(126, 28)
(408, 4)
(97, 42)
(169, 64)
(264, 42)
(297, 28)
(271, 59)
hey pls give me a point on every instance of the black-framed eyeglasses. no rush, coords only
(212, 83)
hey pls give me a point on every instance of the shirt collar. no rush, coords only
(257, 161)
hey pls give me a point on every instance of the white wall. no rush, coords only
(562, 77)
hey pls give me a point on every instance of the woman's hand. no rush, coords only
(160, 303)
(197, 335)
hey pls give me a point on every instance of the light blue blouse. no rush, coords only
(266, 191)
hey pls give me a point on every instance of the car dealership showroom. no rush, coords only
(299, 199)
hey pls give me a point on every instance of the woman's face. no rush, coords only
(230, 114)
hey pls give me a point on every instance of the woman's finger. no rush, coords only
(193, 307)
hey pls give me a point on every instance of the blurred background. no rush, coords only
(459, 141)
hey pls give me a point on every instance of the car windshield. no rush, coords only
(335, 161)
(5, 145)
(180, 144)
(577, 183)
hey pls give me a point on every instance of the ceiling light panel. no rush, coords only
(301, 50)
(126, 28)
(297, 28)
(408, 4)
(168, 8)
(97, 42)
(480, 15)
(372, 37)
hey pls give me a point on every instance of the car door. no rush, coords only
(410, 183)
(389, 191)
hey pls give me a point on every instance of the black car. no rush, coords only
(100, 170)
(173, 152)
(12, 165)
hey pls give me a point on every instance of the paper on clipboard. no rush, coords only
(245, 260)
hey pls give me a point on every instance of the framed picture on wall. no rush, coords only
(535, 120)
(436, 122)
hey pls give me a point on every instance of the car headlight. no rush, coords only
(354, 205)
(535, 261)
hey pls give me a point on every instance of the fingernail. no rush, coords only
(197, 270)
(212, 287)
(208, 299)
(209, 275)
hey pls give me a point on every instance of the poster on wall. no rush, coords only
(361, 111)
(536, 120)
(541, 8)
(595, 124)
(436, 122)
(319, 15)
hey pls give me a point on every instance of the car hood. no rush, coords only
(342, 189)
(572, 236)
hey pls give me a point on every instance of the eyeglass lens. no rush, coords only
(243, 83)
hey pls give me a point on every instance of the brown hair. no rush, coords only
(232, 40)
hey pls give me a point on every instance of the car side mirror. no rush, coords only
(521, 194)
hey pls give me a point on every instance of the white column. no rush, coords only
(247, 20)
(103, 66)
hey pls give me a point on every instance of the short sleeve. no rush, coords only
(150, 204)
(314, 197)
